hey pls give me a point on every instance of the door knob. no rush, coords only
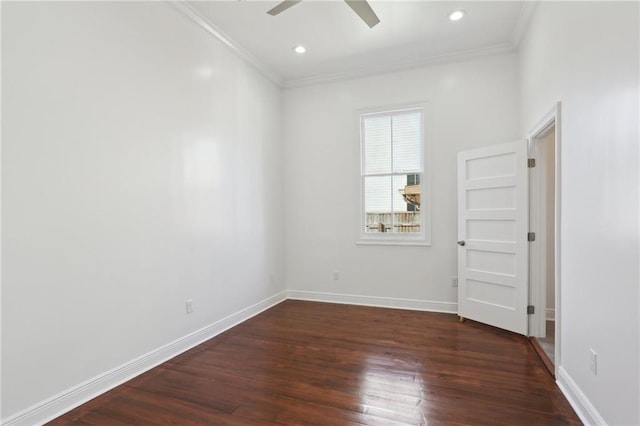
(461, 243)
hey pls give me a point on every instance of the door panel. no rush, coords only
(493, 223)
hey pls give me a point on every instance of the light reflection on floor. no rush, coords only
(390, 389)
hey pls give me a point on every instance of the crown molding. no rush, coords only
(199, 19)
(400, 66)
(196, 17)
(528, 7)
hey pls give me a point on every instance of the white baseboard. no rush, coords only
(382, 302)
(69, 399)
(578, 400)
(551, 314)
(75, 396)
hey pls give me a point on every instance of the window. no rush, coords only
(394, 199)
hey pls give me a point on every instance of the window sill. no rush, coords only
(389, 242)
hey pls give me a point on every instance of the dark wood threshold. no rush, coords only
(543, 355)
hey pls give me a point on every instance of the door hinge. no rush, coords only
(531, 310)
(531, 236)
(531, 163)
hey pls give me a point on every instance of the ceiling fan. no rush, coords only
(360, 7)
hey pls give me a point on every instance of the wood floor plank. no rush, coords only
(328, 364)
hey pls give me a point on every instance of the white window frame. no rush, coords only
(422, 238)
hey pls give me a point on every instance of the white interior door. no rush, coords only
(492, 233)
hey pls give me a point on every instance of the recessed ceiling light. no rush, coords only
(299, 49)
(457, 15)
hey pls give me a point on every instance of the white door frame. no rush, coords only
(537, 321)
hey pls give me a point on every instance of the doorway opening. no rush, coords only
(544, 214)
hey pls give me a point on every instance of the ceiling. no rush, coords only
(339, 44)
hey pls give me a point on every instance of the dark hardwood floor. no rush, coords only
(304, 363)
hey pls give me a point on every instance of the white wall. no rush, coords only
(472, 103)
(585, 54)
(141, 167)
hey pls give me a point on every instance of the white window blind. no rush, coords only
(392, 166)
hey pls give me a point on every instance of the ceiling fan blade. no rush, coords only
(364, 11)
(286, 4)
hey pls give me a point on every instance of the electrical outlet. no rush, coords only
(593, 361)
(454, 281)
(336, 275)
(189, 306)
